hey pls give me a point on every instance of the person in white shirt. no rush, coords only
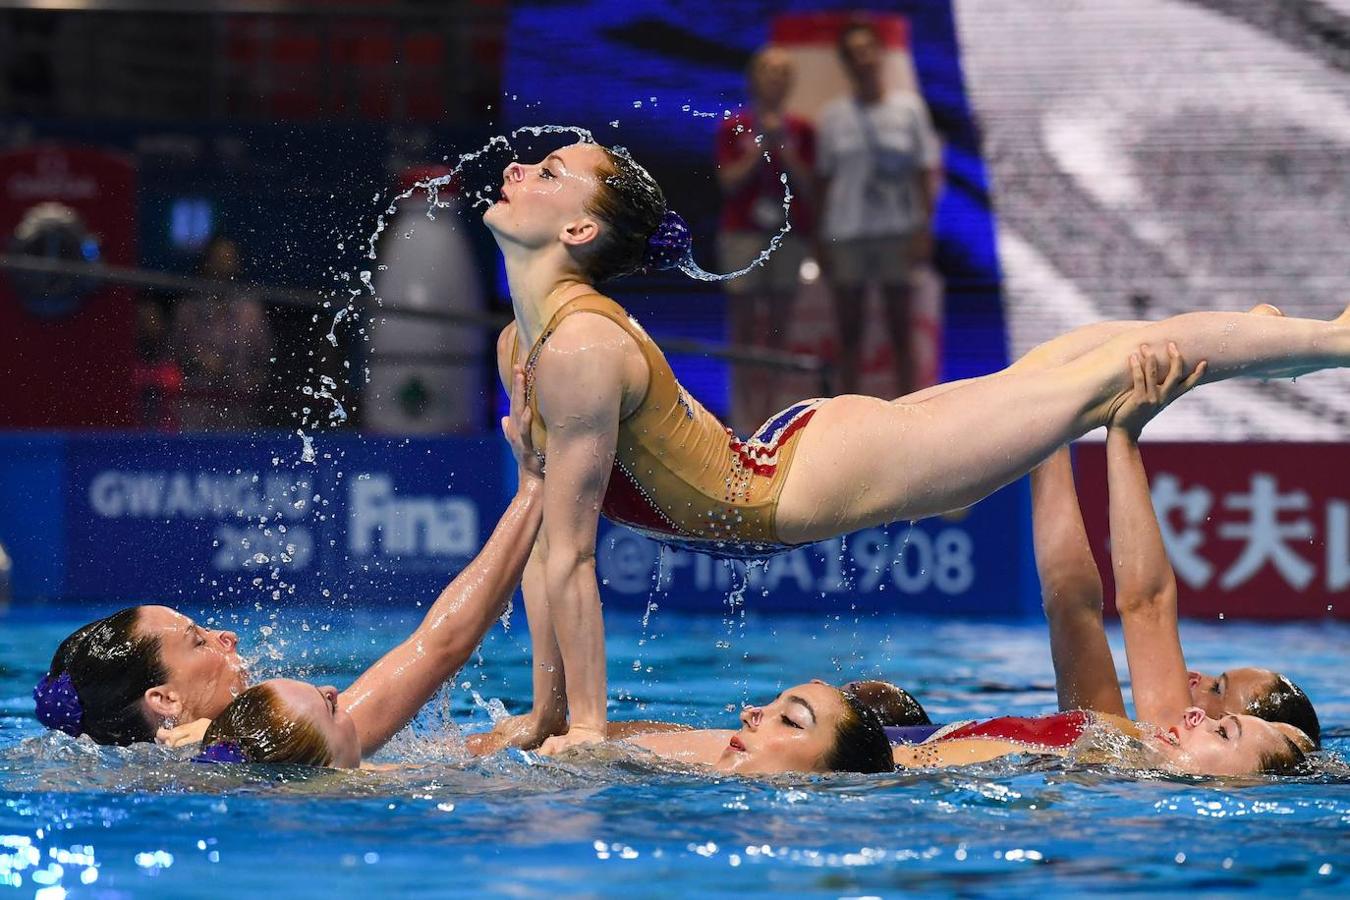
(881, 167)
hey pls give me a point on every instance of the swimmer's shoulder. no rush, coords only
(586, 339)
(506, 347)
(1119, 723)
(701, 747)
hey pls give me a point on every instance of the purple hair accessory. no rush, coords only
(58, 706)
(221, 752)
(670, 245)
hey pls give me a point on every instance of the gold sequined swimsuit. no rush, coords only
(681, 476)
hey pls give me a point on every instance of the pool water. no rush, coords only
(76, 820)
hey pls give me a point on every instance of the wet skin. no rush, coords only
(318, 706)
(203, 664)
(541, 201)
(1233, 691)
(791, 734)
(1230, 745)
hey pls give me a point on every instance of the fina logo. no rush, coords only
(379, 521)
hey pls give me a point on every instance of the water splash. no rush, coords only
(307, 446)
(695, 271)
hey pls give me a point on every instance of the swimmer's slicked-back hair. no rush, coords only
(1284, 701)
(630, 202)
(893, 705)
(111, 667)
(258, 724)
(1290, 759)
(860, 742)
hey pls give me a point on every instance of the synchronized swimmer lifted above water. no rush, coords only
(622, 437)
(594, 394)
(816, 727)
(119, 679)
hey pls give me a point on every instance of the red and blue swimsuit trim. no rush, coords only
(1056, 731)
(628, 503)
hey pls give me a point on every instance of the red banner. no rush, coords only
(66, 344)
(1255, 531)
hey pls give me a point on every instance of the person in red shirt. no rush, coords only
(755, 148)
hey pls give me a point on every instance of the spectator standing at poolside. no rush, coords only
(155, 375)
(755, 148)
(223, 343)
(880, 164)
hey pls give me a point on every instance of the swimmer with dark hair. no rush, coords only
(1172, 731)
(146, 669)
(818, 728)
(1071, 592)
(811, 728)
(623, 438)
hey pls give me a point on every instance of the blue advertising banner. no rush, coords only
(974, 562)
(196, 517)
(207, 520)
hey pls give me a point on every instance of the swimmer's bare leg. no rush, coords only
(1055, 351)
(864, 462)
(1069, 346)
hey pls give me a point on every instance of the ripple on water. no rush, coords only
(144, 820)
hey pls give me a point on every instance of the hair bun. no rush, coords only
(58, 705)
(669, 245)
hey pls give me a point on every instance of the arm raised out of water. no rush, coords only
(1071, 592)
(1146, 587)
(548, 716)
(580, 381)
(389, 693)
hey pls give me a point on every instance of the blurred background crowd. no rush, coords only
(199, 233)
(188, 193)
(195, 204)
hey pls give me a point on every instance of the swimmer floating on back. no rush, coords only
(149, 668)
(816, 727)
(1172, 732)
(622, 437)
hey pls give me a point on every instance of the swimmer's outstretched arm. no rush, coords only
(389, 693)
(1146, 587)
(580, 403)
(1071, 592)
(548, 714)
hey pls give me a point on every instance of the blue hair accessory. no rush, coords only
(58, 706)
(221, 752)
(670, 245)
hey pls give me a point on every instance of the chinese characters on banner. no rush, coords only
(1252, 530)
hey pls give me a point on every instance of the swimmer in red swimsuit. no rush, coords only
(1171, 731)
(587, 214)
(1072, 595)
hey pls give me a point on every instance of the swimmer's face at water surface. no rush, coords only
(1229, 745)
(794, 733)
(1234, 691)
(205, 671)
(318, 705)
(545, 201)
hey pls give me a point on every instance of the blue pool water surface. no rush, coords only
(80, 821)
